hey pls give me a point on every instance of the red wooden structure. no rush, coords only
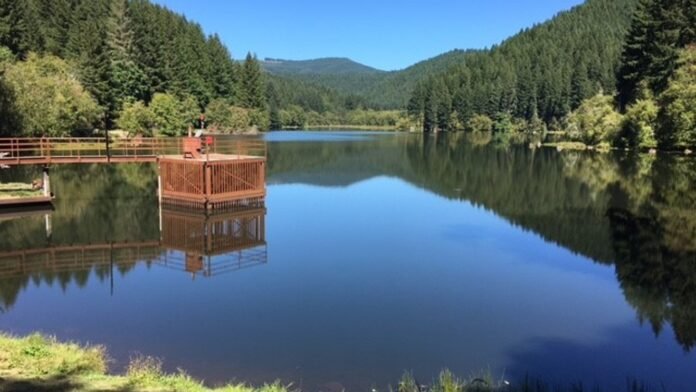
(210, 172)
(61, 150)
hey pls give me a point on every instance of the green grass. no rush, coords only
(16, 189)
(40, 363)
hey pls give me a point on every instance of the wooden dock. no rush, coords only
(208, 172)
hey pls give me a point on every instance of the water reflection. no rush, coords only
(636, 212)
(205, 243)
(195, 241)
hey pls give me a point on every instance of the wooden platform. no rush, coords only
(208, 172)
(213, 180)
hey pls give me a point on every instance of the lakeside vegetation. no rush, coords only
(561, 76)
(38, 362)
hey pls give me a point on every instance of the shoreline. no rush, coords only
(40, 362)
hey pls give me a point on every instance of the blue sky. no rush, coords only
(386, 34)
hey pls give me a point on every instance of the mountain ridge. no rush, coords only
(318, 66)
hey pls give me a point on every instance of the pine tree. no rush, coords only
(252, 84)
(126, 80)
(581, 87)
(87, 46)
(223, 72)
(658, 30)
(56, 18)
(18, 26)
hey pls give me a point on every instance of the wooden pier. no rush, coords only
(208, 172)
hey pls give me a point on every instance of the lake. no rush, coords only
(372, 255)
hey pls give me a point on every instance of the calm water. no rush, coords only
(372, 255)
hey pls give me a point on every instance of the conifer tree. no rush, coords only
(252, 84)
(87, 46)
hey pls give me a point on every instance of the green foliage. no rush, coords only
(6, 56)
(293, 116)
(543, 72)
(640, 121)
(136, 118)
(658, 30)
(480, 123)
(225, 118)
(48, 99)
(677, 117)
(259, 118)
(503, 123)
(172, 116)
(595, 121)
(253, 95)
(37, 355)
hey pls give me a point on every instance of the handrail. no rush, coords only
(17, 150)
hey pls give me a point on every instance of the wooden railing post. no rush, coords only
(106, 141)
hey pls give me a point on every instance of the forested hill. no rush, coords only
(543, 72)
(323, 66)
(133, 65)
(537, 64)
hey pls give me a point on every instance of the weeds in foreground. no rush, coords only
(46, 364)
(485, 382)
(37, 356)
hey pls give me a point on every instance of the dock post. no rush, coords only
(46, 182)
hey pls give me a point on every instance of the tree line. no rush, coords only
(131, 64)
(618, 72)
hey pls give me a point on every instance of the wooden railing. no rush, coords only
(45, 150)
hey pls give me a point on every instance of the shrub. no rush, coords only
(595, 120)
(136, 118)
(48, 99)
(638, 128)
(480, 123)
(173, 116)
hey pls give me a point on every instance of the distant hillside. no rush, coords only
(589, 35)
(394, 89)
(323, 66)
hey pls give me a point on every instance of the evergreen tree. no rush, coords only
(658, 30)
(634, 63)
(18, 26)
(126, 79)
(581, 87)
(55, 23)
(87, 46)
(252, 84)
(224, 75)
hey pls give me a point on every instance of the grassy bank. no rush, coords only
(40, 363)
(17, 189)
